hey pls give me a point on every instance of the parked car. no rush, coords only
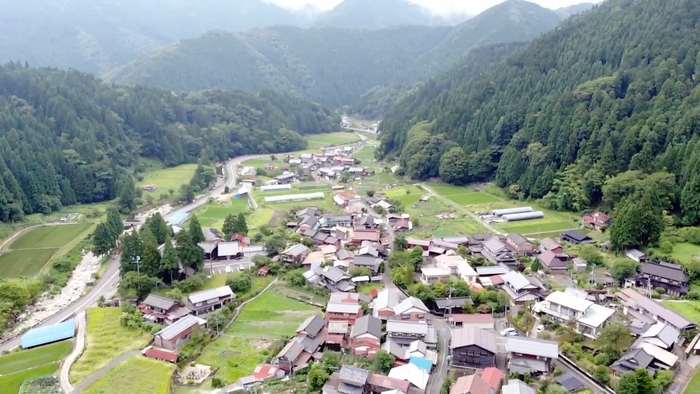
(540, 328)
(509, 332)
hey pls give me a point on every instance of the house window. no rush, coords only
(421, 315)
(405, 315)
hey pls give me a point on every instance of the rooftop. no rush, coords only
(637, 301)
(172, 331)
(202, 296)
(472, 335)
(569, 301)
(532, 347)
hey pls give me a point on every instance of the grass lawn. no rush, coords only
(366, 154)
(260, 217)
(321, 140)
(168, 178)
(24, 262)
(258, 163)
(137, 375)
(689, 309)
(685, 252)
(106, 340)
(261, 323)
(694, 384)
(367, 288)
(17, 367)
(49, 236)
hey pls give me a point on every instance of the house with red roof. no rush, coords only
(596, 220)
(160, 354)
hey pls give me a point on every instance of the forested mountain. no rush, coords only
(510, 21)
(566, 12)
(97, 36)
(329, 65)
(66, 137)
(598, 109)
(377, 14)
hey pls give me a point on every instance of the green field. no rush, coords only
(689, 309)
(685, 252)
(320, 140)
(258, 163)
(537, 226)
(213, 214)
(366, 154)
(136, 375)
(49, 236)
(24, 262)
(261, 323)
(261, 217)
(106, 340)
(15, 368)
(694, 384)
(168, 178)
(326, 203)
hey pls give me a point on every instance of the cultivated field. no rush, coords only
(49, 236)
(326, 203)
(689, 309)
(106, 340)
(168, 178)
(320, 140)
(246, 343)
(15, 368)
(213, 214)
(136, 375)
(28, 254)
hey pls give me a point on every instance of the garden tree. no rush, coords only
(454, 166)
(447, 384)
(175, 294)
(295, 238)
(331, 361)
(132, 247)
(628, 384)
(622, 268)
(150, 257)
(662, 379)
(186, 194)
(308, 242)
(203, 176)
(239, 282)
(383, 362)
(229, 227)
(274, 244)
(463, 251)
(601, 373)
(195, 230)
(645, 384)
(140, 283)
(536, 265)
(591, 254)
(127, 195)
(159, 228)
(416, 258)
(370, 193)
(169, 266)
(114, 222)
(241, 225)
(615, 337)
(345, 176)
(317, 377)
(360, 271)
(190, 254)
(296, 278)
(483, 308)
(217, 320)
(103, 240)
(400, 243)
(421, 291)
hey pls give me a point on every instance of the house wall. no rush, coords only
(204, 307)
(413, 315)
(385, 314)
(473, 356)
(347, 317)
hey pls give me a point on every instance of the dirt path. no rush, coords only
(87, 382)
(78, 348)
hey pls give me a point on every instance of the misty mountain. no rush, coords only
(566, 12)
(96, 36)
(378, 14)
(329, 65)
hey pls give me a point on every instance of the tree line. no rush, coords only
(578, 118)
(68, 138)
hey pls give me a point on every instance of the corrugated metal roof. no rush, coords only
(206, 295)
(48, 334)
(178, 327)
(532, 347)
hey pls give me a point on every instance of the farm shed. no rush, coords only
(510, 211)
(270, 188)
(296, 197)
(523, 216)
(49, 334)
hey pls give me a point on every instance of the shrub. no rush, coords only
(660, 290)
(602, 359)
(217, 382)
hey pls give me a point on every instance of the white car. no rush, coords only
(228, 269)
(509, 332)
(540, 328)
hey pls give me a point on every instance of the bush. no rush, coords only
(660, 290)
(217, 382)
(602, 359)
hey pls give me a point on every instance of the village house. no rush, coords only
(313, 260)
(421, 243)
(385, 303)
(517, 386)
(411, 309)
(596, 220)
(345, 198)
(636, 255)
(308, 339)
(668, 276)
(366, 336)
(343, 307)
(588, 318)
(576, 237)
(550, 245)
(451, 304)
(497, 252)
(486, 382)
(209, 300)
(285, 179)
(520, 244)
(521, 288)
(530, 356)
(405, 332)
(360, 236)
(431, 275)
(295, 254)
(551, 262)
(412, 374)
(473, 347)
(637, 306)
(157, 309)
(457, 266)
(174, 335)
(478, 320)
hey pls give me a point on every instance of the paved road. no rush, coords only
(81, 325)
(443, 364)
(461, 208)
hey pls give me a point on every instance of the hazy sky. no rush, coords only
(438, 6)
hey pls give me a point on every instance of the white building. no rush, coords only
(588, 317)
(457, 266)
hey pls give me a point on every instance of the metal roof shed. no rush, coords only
(508, 211)
(53, 333)
(512, 217)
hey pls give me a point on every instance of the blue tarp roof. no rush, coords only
(43, 335)
(422, 363)
(178, 218)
